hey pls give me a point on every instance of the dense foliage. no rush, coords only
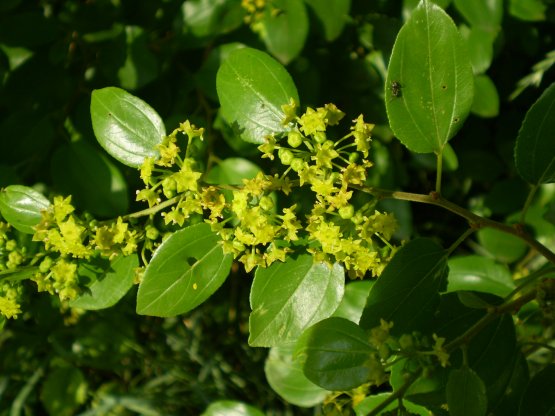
(363, 189)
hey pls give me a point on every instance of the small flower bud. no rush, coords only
(297, 164)
(285, 155)
(294, 139)
(406, 342)
(319, 137)
(266, 203)
(169, 187)
(11, 245)
(152, 233)
(45, 265)
(353, 157)
(346, 212)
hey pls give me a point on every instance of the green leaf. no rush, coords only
(231, 408)
(407, 291)
(466, 393)
(108, 284)
(429, 86)
(410, 5)
(184, 271)
(504, 247)
(287, 379)
(284, 32)
(21, 206)
(232, 171)
(534, 150)
(141, 65)
(252, 87)
(479, 42)
(332, 14)
(353, 301)
(334, 353)
(286, 298)
(484, 14)
(63, 391)
(125, 126)
(370, 402)
(208, 18)
(486, 98)
(528, 10)
(94, 181)
(538, 399)
(479, 274)
(205, 78)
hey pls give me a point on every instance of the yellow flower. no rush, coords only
(168, 151)
(312, 121)
(362, 133)
(213, 200)
(191, 130)
(64, 274)
(149, 195)
(146, 169)
(290, 111)
(9, 307)
(186, 179)
(353, 174)
(325, 153)
(62, 208)
(290, 223)
(333, 114)
(268, 147)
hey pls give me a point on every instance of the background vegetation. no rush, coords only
(53, 54)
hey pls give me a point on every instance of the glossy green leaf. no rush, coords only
(534, 149)
(287, 379)
(353, 301)
(208, 18)
(125, 126)
(108, 283)
(184, 271)
(407, 292)
(480, 274)
(486, 98)
(205, 78)
(491, 353)
(94, 181)
(286, 298)
(538, 399)
(141, 65)
(466, 393)
(334, 353)
(528, 10)
(410, 5)
(252, 87)
(484, 14)
(231, 408)
(232, 171)
(332, 15)
(21, 206)
(504, 247)
(370, 403)
(285, 32)
(479, 43)
(429, 87)
(63, 391)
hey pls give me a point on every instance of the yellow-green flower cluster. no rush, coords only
(9, 299)
(12, 256)
(69, 241)
(246, 217)
(255, 10)
(333, 169)
(170, 175)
